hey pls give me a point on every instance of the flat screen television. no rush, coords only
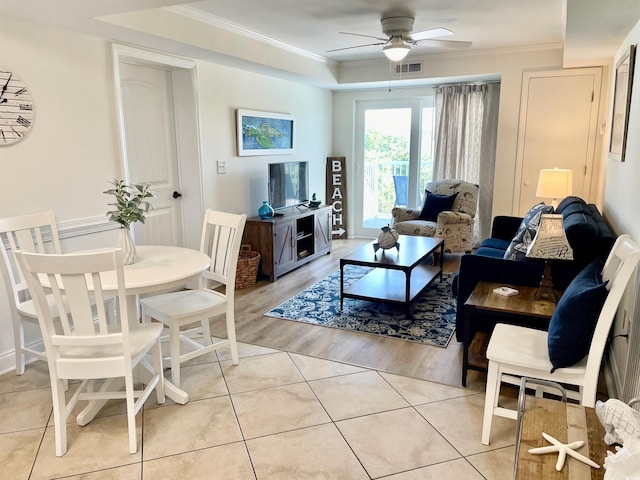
(288, 184)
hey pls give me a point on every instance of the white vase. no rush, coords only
(125, 242)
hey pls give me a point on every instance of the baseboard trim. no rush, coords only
(8, 358)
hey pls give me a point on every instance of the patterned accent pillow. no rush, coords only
(526, 232)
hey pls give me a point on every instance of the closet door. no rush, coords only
(558, 123)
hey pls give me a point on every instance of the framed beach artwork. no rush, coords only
(621, 105)
(264, 133)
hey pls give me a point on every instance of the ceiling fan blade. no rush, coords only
(443, 43)
(357, 46)
(363, 35)
(431, 33)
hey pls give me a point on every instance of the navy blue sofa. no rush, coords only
(586, 231)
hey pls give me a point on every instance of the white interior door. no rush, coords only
(151, 154)
(558, 123)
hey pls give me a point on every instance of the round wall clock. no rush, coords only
(16, 108)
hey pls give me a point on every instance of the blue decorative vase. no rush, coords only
(265, 211)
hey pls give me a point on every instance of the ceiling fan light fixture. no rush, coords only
(396, 52)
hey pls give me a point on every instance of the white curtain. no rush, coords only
(466, 129)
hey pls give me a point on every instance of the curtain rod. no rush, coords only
(465, 84)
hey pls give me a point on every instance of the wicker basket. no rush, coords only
(247, 271)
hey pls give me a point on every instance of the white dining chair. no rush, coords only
(33, 233)
(187, 313)
(515, 351)
(87, 348)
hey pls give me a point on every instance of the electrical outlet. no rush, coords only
(222, 166)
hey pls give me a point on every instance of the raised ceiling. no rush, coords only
(588, 29)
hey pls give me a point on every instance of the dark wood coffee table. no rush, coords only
(398, 276)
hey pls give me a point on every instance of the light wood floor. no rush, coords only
(402, 357)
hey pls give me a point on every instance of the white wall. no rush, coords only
(72, 150)
(622, 183)
(621, 200)
(221, 91)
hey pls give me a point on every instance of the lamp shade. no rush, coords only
(550, 242)
(554, 183)
(396, 52)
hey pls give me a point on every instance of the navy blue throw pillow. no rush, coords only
(434, 204)
(575, 317)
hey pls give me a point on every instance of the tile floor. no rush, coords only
(277, 415)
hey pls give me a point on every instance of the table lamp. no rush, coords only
(554, 183)
(550, 243)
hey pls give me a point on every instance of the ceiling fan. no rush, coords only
(400, 37)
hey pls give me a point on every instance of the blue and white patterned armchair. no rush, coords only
(455, 226)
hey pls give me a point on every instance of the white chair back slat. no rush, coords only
(103, 318)
(78, 300)
(35, 233)
(26, 241)
(220, 237)
(74, 280)
(220, 253)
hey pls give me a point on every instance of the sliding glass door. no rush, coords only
(394, 145)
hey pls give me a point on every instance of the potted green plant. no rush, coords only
(131, 205)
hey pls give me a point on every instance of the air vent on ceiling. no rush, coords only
(409, 68)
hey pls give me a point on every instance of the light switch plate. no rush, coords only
(222, 166)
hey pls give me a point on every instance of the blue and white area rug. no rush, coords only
(434, 312)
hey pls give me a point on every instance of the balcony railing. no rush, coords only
(379, 191)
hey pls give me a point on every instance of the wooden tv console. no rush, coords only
(289, 240)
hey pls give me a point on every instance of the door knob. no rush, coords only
(176, 195)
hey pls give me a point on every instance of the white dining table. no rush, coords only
(156, 269)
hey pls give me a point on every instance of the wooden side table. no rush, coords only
(516, 309)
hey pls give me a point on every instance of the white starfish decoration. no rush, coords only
(563, 450)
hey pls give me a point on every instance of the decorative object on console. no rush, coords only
(554, 183)
(387, 239)
(131, 206)
(314, 203)
(265, 211)
(550, 243)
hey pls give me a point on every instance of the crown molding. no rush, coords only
(200, 16)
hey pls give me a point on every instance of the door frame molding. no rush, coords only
(188, 152)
